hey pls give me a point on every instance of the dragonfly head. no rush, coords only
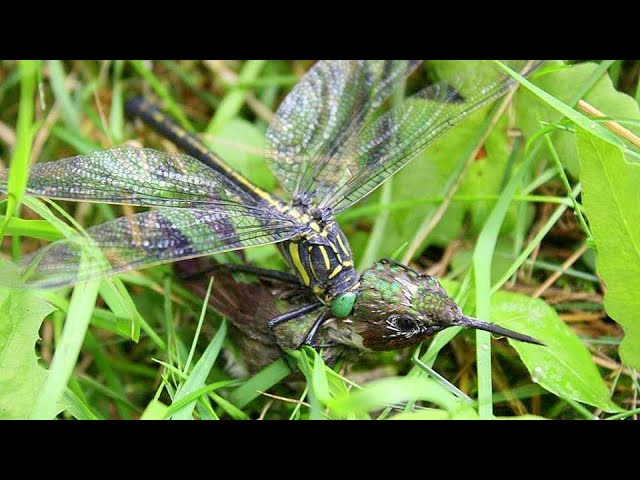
(397, 307)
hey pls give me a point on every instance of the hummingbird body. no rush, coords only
(398, 307)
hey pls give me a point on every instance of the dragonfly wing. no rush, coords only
(157, 236)
(133, 176)
(327, 106)
(389, 142)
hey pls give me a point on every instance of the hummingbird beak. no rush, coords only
(471, 322)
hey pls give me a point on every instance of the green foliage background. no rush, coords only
(150, 349)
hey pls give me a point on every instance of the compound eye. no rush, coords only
(342, 305)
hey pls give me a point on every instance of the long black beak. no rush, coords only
(471, 322)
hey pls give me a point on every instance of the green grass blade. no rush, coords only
(78, 408)
(162, 92)
(233, 411)
(40, 229)
(103, 364)
(191, 398)
(482, 259)
(25, 130)
(260, 382)
(116, 114)
(576, 117)
(68, 111)
(199, 327)
(233, 101)
(156, 410)
(81, 308)
(200, 372)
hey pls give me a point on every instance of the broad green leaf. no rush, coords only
(240, 143)
(564, 366)
(562, 84)
(612, 203)
(431, 172)
(21, 377)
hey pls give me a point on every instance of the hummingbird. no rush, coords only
(397, 307)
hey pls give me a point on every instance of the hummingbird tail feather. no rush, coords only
(490, 327)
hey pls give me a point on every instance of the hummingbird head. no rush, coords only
(398, 307)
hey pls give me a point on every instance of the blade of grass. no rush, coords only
(156, 410)
(315, 405)
(82, 145)
(25, 130)
(200, 372)
(68, 111)
(441, 380)
(562, 108)
(40, 229)
(376, 237)
(199, 327)
(80, 310)
(117, 298)
(622, 415)
(482, 259)
(103, 364)
(116, 114)
(555, 216)
(233, 101)
(79, 409)
(105, 390)
(192, 397)
(231, 410)
(260, 382)
(162, 92)
(190, 82)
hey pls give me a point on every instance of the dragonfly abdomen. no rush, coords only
(192, 145)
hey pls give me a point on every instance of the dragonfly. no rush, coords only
(330, 144)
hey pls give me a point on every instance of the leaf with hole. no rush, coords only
(611, 200)
(21, 375)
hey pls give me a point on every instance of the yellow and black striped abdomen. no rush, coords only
(323, 262)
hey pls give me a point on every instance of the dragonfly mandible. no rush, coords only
(329, 148)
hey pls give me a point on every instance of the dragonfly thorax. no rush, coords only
(321, 257)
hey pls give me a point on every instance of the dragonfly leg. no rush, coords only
(297, 313)
(314, 330)
(283, 277)
(285, 317)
